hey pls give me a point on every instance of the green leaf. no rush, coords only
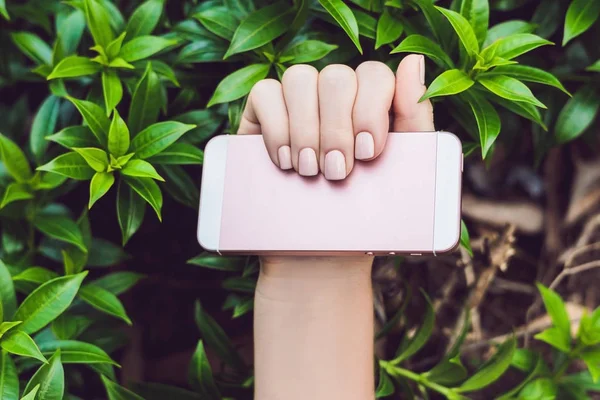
(241, 8)
(148, 190)
(73, 67)
(345, 18)
(493, 369)
(99, 186)
(556, 309)
(239, 83)
(36, 275)
(74, 136)
(448, 83)
(389, 29)
(202, 50)
(14, 159)
(105, 254)
(96, 158)
(118, 136)
(144, 19)
(116, 392)
(114, 48)
(47, 302)
(7, 327)
(589, 329)
(507, 28)
(130, 211)
(218, 20)
(577, 115)
(15, 192)
(141, 168)
(21, 344)
(50, 378)
(156, 138)
(207, 123)
(525, 110)
(488, 121)
(145, 103)
(60, 227)
(438, 23)
(180, 154)
(477, 12)
(421, 335)
(591, 358)
(68, 327)
(9, 380)
(594, 67)
(385, 387)
(528, 74)
(70, 30)
(103, 301)
(581, 15)
(367, 25)
(215, 338)
(98, 22)
(556, 338)
(261, 27)
(510, 89)
(76, 352)
(307, 51)
(463, 29)
(50, 181)
(143, 47)
(94, 116)
(4, 13)
(43, 125)
(71, 165)
(540, 389)
(465, 240)
(201, 376)
(179, 185)
(112, 90)
(448, 372)
(33, 47)
(208, 260)
(512, 46)
(423, 45)
(31, 395)
(7, 293)
(118, 283)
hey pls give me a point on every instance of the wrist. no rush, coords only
(302, 267)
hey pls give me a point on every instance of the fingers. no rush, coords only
(371, 109)
(300, 93)
(409, 114)
(266, 112)
(337, 89)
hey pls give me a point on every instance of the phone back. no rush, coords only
(388, 205)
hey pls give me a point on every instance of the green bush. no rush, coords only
(125, 94)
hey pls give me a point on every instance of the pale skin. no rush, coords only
(313, 319)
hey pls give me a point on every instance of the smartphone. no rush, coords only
(407, 201)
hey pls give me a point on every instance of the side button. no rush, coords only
(462, 162)
(416, 254)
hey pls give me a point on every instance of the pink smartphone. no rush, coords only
(407, 201)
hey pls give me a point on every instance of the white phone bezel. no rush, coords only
(447, 204)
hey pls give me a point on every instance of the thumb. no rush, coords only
(409, 114)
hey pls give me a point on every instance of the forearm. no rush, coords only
(313, 325)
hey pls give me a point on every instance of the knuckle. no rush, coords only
(337, 74)
(299, 73)
(375, 68)
(265, 86)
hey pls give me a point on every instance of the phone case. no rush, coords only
(405, 201)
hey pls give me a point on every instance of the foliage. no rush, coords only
(130, 92)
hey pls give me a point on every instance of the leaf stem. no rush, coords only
(419, 378)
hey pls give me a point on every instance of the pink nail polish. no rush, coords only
(422, 69)
(285, 157)
(307, 162)
(364, 148)
(335, 165)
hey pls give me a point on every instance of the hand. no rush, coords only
(313, 318)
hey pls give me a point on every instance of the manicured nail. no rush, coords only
(307, 162)
(364, 147)
(422, 69)
(285, 157)
(335, 165)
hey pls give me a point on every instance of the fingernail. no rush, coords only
(364, 147)
(335, 165)
(307, 162)
(422, 69)
(285, 157)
